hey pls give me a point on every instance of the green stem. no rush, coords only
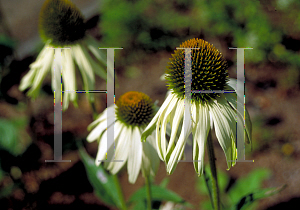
(95, 114)
(119, 191)
(148, 191)
(207, 182)
(214, 178)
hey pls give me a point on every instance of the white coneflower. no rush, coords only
(209, 72)
(134, 110)
(61, 25)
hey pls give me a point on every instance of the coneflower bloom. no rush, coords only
(208, 110)
(134, 110)
(61, 25)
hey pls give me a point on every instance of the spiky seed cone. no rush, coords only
(135, 109)
(209, 70)
(61, 22)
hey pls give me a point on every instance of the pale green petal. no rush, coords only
(232, 83)
(231, 98)
(101, 117)
(230, 116)
(163, 77)
(41, 73)
(99, 69)
(201, 134)
(223, 131)
(39, 62)
(168, 115)
(102, 148)
(97, 131)
(150, 161)
(178, 117)
(135, 155)
(228, 112)
(195, 131)
(151, 126)
(27, 80)
(161, 144)
(179, 148)
(93, 46)
(69, 79)
(85, 69)
(122, 145)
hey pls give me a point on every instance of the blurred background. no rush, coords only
(149, 31)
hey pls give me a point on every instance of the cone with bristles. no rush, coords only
(61, 22)
(209, 69)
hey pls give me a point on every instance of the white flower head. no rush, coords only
(62, 25)
(208, 110)
(134, 110)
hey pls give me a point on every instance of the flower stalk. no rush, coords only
(148, 191)
(119, 191)
(214, 178)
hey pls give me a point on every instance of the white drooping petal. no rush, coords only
(69, 79)
(240, 95)
(135, 155)
(38, 63)
(101, 117)
(236, 132)
(85, 69)
(161, 143)
(201, 132)
(167, 115)
(94, 48)
(151, 126)
(97, 67)
(177, 153)
(122, 145)
(27, 80)
(41, 73)
(178, 117)
(223, 132)
(103, 148)
(233, 84)
(232, 100)
(98, 130)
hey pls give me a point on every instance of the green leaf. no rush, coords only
(248, 184)
(247, 200)
(223, 180)
(13, 137)
(102, 182)
(8, 136)
(140, 204)
(158, 193)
